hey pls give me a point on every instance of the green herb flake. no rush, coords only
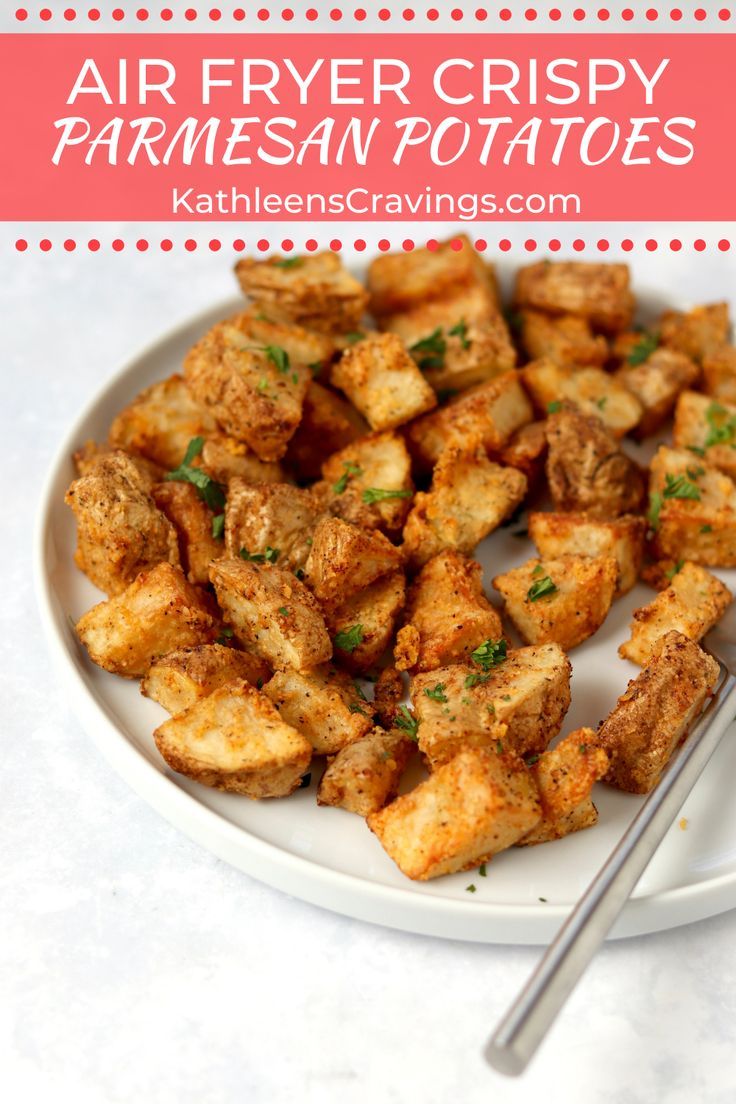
(436, 693)
(696, 449)
(540, 589)
(554, 407)
(470, 888)
(601, 403)
(349, 640)
(271, 554)
(351, 338)
(252, 557)
(226, 634)
(284, 611)
(350, 470)
(277, 356)
(482, 870)
(435, 346)
(474, 680)
(262, 385)
(355, 708)
(505, 697)
(583, 749)
(706, 528)
(211, 492)
(531, 760)
(674, 570)
(543, 900)
(407, 721)
(538, 570)
(359, 691)
(643, 349)
(721, 427)
(218, 526)
(288, 262)
(499, 747)
(489, 654)
(460, 329)
(377, 494)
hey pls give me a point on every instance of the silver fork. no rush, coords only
(529, 1019)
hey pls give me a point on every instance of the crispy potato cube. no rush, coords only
(224, 457)
(586, 469)
(527, 451)
(315, 291)
(564, 600)
(447, 614)
(383, 382)
(490, 413)
(467, 811)
(324, 704)
(272, 614)
(159, 612)
(708, 429)
(567, 339)
(363, 626)
(719, 374)
(702, 527)
(192, 520)
(469, 497)
(521, 702)
(388, 692)
(454, 349)
(255, 394)
(654, 713)
(179, 679)
(345, 559)
(120, 529)
(160, 423)
(87, 457)
(692, 604)
(376, 467)
(272, 520)
(565, 775)
(400, 281)
(657, 382)
(580, 535)
(592, 390)
(329, 423)
(302, 345)
(235, 740)
(698, 332)
(598, 292)
(365, 775)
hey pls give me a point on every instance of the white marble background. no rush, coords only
(135, 966)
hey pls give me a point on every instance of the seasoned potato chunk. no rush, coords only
(468, 810)
(489, 413)
(224, 457)
(527, 451)
(235, 740)
(719, 374)
(580, 535)
(567, 339)
(180, 678)
(365, 775)
(254, 392)
(588, 471)
(89, 455)
(315, 291)
(387, 694)
(120, 529)
(698, 332)
(193, 522)
(400, 281)
(592, 390)
(160, 423)
(654, 713)
(598, 292)
(272, 614)
(447, 614)
(693, 602)
(657, 382)
(158, 613)
(469, 497)
(564, 600)
(363, 626)
(565, 775)
(270, 522)
(708, 429)
(328, 423)
(371, 483)
(325, 705)
(383, 382)
(453, 348)
(303, 346)
(345, 559)
(692, 510)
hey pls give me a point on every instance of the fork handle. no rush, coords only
(526, 1023)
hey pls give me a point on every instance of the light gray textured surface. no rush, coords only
(134, 966)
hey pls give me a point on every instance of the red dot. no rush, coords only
(699, 244)
(555, 14)
(408, 14)
(287, 245)
(627, 14)
(141, 245)
(287, 15)
(481, 245)
(676, 14)
(263, 245)
(167, 13)
(45, 14)
(93, 245)
(93, 14)
(675, 245)
(311, 14)
(336, 15)
(700, 14)
(142, 14)
(651, 245)
(360, 14)
(359, 244)
(555, 245)
(215, 14)
(70, 15)
(118, 245)
(407, 245)
(504, 14)
(190, 245)
(335, 245)
(70, 245)
(44, 245)
(167, 245)
(190, 14)
(384, 14)
(504, 245)
(264, 14)
(238, 245)
(530, 14)
(627, 245)
(603, 14)
(652, 15)
(215, 245)
(530, 245)
(433, 245)
(118, 14)
(481, 14)
(724, 245)
(603, 245)
(456, 14)
(578, 245)
(21, 245)
(21, 14)
(433, 14)
(239, 14)
(457, 245)
(311, 245)
(724, 14)
(578, 14)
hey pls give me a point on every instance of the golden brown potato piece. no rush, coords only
(564, 600)
(272, 614)
(270, 522)
(468, 810)
(365, 775)
(160, 423)
(345, 559)
(447, 614)
(692, 510)
(527, 451)
(315, 291)
(158, 613)
(586, 469)
(592, 391)
(387, 694)
(656, 382)
(719, 374)
(120, 529)
(698, 332)
(469, 497)
(652, 716)
(254, 392)
(577, 534)
(490, 413)
(454, 349)
(401, 281)
(303, 346)
(370, 482)
(329, 423)
(325, 705)
(86, 458)
(598, 292)
(567, 339)
(362, 627)
(565, 775)
(235, 740)
(707, 429)
(383, 382)
(692, 604)
(179, 679)
(193, 522)
(224, 457)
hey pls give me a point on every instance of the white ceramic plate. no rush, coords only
(328, 856)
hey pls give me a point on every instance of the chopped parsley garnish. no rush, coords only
(351, 338)
(643, 349)
(277, 356)
(674, 570)
(218, 526)
(540, 588)
(315, 367)
(696, 449)
(489, 654)
(721, 427)
(543, 900)
(600, 403)
(262, 385)
(474, 679)
(359, 691)
(434, 345)
(554, 407)
(436, 693)
(482, 870)
(376, 494)
(349, 640)
(226, 633)
(706, 528)
(461, 330)
(350, 469)
(695, 473)
(583, 749)
(269, 556)
(531, 760)
(289, 262)
(499, 747)
(676, 486)
(470, 888)
(284, 611)
(211, 493)
(405, 719)
(538, 570)
(355, 708)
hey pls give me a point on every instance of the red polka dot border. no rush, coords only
(385, 15)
